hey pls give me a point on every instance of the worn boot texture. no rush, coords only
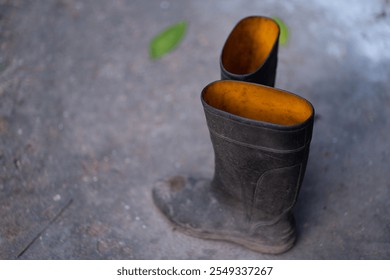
(251, 50)
(261, 138)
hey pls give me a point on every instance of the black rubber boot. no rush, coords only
(261, 137)
(250, 52)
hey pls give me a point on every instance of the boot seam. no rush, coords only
(258, 147)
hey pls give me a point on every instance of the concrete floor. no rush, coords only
(88, 123)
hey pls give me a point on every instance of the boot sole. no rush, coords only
(249, 244)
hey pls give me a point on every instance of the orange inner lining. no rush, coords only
(258, 103)
(249, 45)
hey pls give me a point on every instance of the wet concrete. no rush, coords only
(88, 123)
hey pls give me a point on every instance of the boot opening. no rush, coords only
(249, 45)
(258, 102)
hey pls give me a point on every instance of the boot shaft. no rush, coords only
(250, 51)
(261, 139)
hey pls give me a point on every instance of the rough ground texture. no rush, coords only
(88, 123)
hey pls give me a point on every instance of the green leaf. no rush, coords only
(167, 40)
(283, 31)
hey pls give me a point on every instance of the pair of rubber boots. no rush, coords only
(261, 137)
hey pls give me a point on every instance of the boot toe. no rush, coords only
(193, 207)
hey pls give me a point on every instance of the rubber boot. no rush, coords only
(261, 138)
(251, 50)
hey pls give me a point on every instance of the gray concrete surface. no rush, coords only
(88, 123)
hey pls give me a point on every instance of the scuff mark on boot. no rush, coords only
(176, 183)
